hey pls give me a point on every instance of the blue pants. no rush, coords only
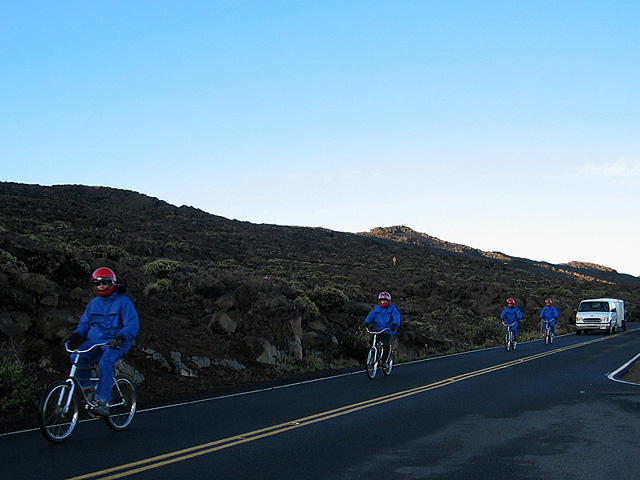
(105, 357)
(552, 324)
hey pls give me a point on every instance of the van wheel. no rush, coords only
(624, 326)
(578, 332)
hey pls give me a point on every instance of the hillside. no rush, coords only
(224, 303)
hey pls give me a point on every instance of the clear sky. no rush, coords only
(509, 126)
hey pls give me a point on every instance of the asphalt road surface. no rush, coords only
(537, 412)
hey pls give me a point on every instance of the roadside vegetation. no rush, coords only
(299, 293)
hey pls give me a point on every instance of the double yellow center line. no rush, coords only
(211, 447)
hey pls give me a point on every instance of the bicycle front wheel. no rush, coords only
(58, 413)
(122, 405)
(507, 340)
(372, 363)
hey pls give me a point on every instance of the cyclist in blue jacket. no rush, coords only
(385, 315)
(550, 314)
(511, 316)
(109, 317)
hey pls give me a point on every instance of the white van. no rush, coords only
(600, 314)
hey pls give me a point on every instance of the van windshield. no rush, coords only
(594, 307)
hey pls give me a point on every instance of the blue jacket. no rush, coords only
(106, 317)
(549, 313)
(511, 315)
(384, 317)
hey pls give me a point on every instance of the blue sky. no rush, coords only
(508, 126)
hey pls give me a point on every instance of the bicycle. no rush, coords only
(509, 340)
(546, 332)
(60, 404)
(374, 355)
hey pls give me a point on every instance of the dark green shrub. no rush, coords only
(304, 302)
(355, 344)
(485, 331)
(162, 267)
(329, 299)
(110, 252)
(7, 260)
(18, 390)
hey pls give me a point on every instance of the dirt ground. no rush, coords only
(633, 374)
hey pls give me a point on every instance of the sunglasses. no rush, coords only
(102, 283)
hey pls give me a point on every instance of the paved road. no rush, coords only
(539, 412)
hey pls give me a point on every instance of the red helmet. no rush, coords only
(384, 297)
(548, 301)
(103, 274)
(511, 301)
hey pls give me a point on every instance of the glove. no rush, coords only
(393, 327)
(115, 342)
(369, 325)
(74, 337)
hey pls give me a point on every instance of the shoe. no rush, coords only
(101, 410)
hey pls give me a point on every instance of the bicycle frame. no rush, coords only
(71, 378)
(546, 331)
(59, 406)
(376, 350)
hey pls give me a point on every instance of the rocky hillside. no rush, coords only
(224, 303)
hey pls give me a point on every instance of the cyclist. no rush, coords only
(384, 315)
(109, 317)
(549, 313)
(511, 316)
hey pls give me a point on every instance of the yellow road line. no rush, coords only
(207, 448)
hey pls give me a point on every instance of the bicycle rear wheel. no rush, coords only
(122, 405)
(372, 363)
(56, 420)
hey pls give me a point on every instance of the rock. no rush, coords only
(55, 324)
(200, 362)
(271, 354)
(222, 321)
(50, 300)
(14, 324)
(296, 326)
(179, 367)
(295, 348)
(226, 302)
(158, 357)
(36, 283)
(338, 318)
(121, 367)
(229, 363)
(316, 340)
(318, 324)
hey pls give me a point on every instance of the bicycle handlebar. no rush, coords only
(375, 333)
(75, 350)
